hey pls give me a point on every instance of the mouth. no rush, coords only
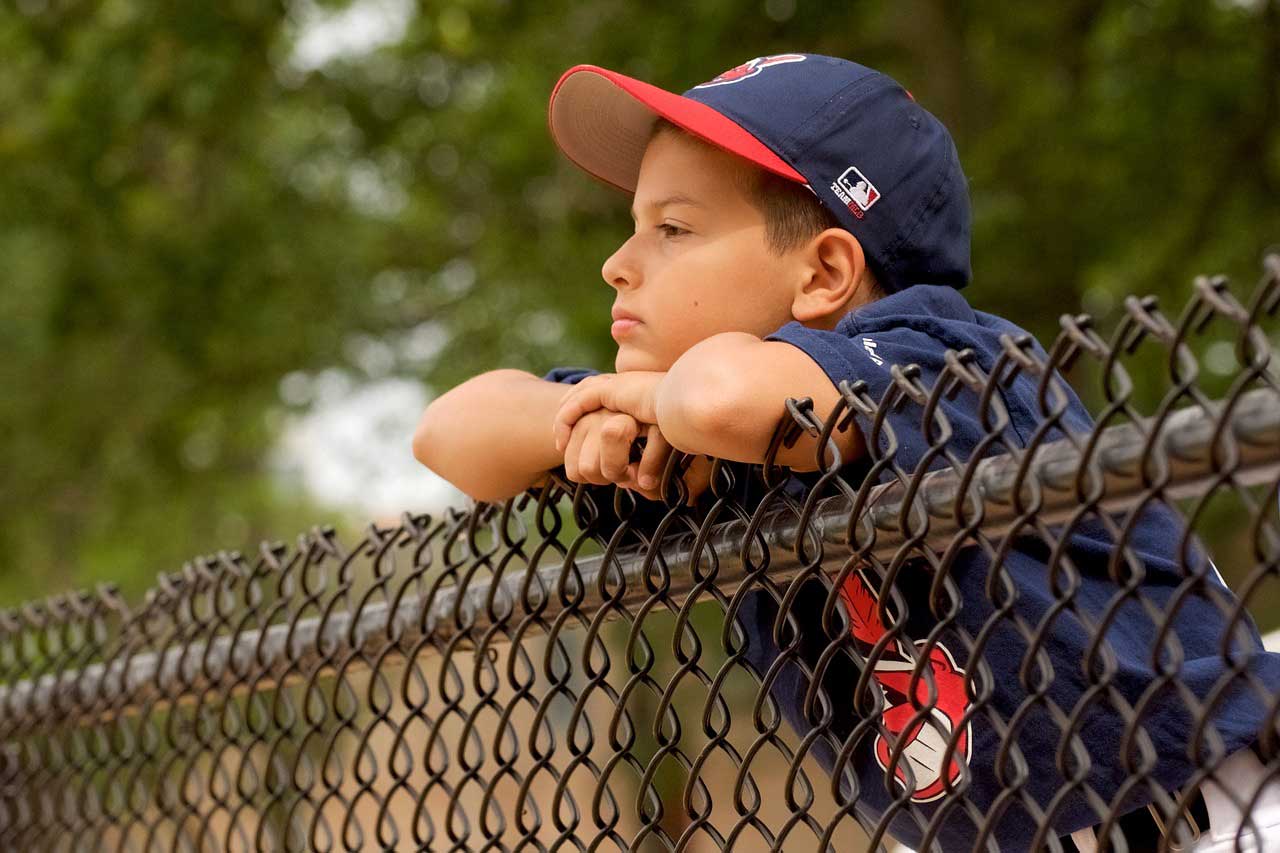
(623, 327)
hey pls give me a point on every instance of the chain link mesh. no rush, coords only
(570, 669)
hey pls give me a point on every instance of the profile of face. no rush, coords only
(697, 264)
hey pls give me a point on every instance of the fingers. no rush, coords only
(573, 453)
(698, 477)
(656, 451)
(616, 434)
(645, 476)
(586, 397)
(634, 393)
(599, 446)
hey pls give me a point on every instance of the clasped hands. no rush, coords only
(598, 422)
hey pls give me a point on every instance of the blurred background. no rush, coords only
(246, 243)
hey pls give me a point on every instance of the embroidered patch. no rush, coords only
(750, 68)
(927, 737)
(855, 191)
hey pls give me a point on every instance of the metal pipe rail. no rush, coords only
(1024, 643)
(1186, 440)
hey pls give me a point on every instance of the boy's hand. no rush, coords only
(599, 451)
(633, 392)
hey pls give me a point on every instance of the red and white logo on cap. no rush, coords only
(750, 68)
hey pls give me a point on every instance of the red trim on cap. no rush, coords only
(695, 117)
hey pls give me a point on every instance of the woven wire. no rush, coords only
(526, 676)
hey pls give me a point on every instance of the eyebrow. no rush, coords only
(676, 198)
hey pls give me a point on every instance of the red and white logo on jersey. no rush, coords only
(750, 68)
(927, 740)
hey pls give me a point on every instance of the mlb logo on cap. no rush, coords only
(855, 191)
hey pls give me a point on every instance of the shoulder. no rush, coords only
(935, 317)
(920, 324)
(916, 325)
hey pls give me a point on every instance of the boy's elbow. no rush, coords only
(448, 442)
(441, 413)
(426, 449)
(422, 439)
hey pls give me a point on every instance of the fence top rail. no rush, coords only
(1000, 618)
(1190, 443)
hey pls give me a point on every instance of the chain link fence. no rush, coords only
(985, 635)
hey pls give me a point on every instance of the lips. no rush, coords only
(624, 322)
(623, 327)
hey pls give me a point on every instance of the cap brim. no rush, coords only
(601, 120)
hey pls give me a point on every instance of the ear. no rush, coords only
(831, 270)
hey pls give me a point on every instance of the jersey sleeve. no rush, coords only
(833, 351)
(569, 375)
(853, 356)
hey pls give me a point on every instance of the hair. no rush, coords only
(792, 213)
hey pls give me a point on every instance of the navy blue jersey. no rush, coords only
(917, 326)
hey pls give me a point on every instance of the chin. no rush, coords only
(629, 358)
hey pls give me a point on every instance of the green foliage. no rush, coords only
(188, 215)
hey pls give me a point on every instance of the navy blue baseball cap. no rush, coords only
(882, 164)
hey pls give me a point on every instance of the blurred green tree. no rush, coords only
(194, 206)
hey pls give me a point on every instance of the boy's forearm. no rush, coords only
(725, 396)
(696, 412)
(491, 435)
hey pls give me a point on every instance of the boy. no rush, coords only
(800, 220)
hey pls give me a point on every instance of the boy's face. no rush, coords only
(697, 264)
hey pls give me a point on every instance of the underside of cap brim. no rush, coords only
(602, 120)
(599, 126)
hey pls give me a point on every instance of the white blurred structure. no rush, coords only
(353, 449)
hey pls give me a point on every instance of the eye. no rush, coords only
(669, 230)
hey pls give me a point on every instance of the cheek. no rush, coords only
(737, 290)
(729, 285)
(717, 274)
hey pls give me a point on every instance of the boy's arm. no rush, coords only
(491, 435)
(726, 394)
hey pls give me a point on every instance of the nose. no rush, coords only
(619, 269)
